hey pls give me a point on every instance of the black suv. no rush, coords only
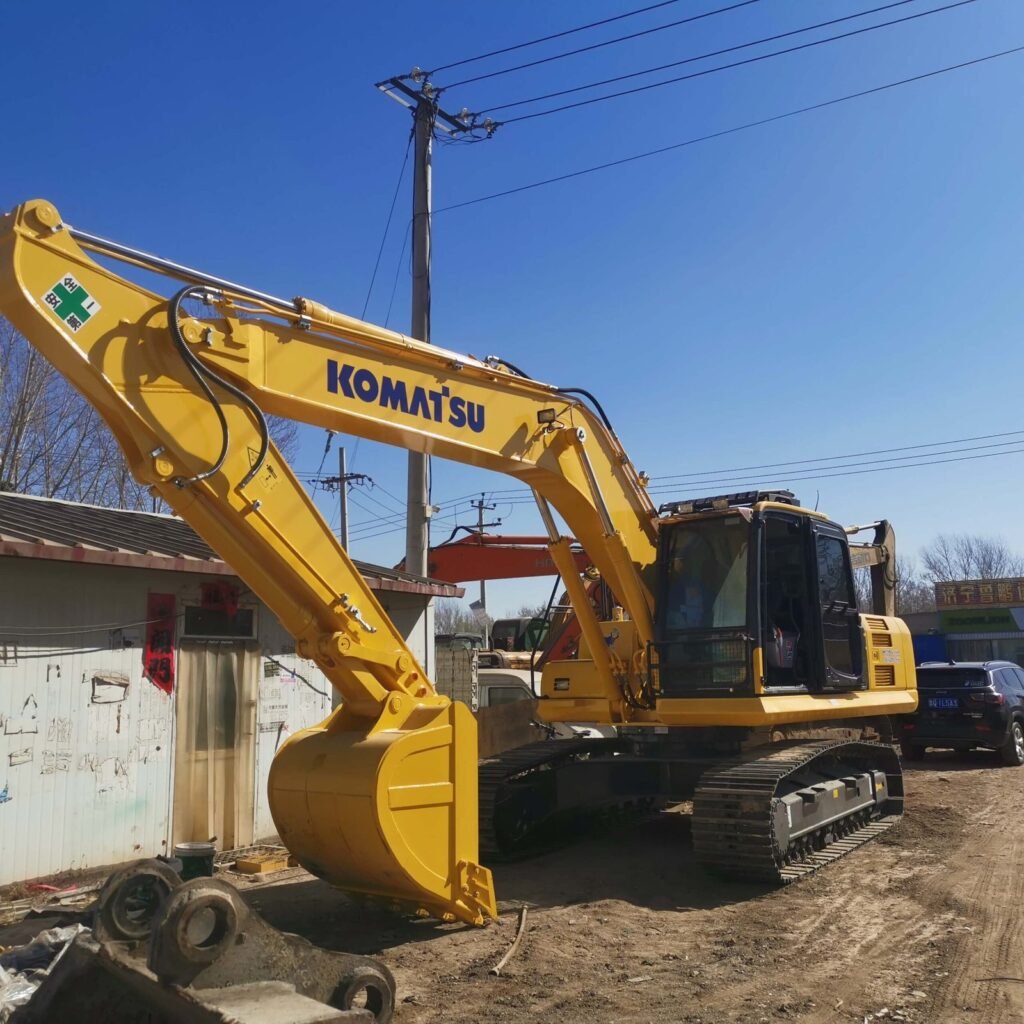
(967, 704)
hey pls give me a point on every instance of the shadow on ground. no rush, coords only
(649, 864)
(946, 761)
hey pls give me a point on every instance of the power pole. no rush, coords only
(417, 530)
(481, 506)
(427, 116)
(341, 482)
(343, 498)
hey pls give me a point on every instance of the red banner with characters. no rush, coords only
(158, 656)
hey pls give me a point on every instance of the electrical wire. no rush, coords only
(368, 533)
(729, 131)
(781, 481)
(387, 225)
(398, 270)
(803, 463)
(815, 475)
(295, 675)
(804, 468)
(366, 508)
(376, 267)
(601, 45)
(554, 35)
(801, 469)
(701, 56)
(397, 500)
(323, 459)
(98, 627)
(736, 64)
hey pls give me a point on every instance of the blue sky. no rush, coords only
(843, 281)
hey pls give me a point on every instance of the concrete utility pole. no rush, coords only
(427, 116)
(481, 506)
(343, 498)
(341, 481)
(417, 530)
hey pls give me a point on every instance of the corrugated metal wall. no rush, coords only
(86, 742)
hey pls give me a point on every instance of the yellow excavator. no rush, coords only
(735, 664)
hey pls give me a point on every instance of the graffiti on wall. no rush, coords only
(25, 723)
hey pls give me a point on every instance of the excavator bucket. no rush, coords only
(389, 813)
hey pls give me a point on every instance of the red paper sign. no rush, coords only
(158, 657)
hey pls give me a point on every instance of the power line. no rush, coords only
(801, 466)
(398, 270)
(323, 459)
(393, 497)
(784, 480)
(369, 534)
(606, 42)
(736, 64)
(808, 473)
(701, 56)
(762, 482)
(852, 455)
(727, 131)
(387, 226)
(554, 35)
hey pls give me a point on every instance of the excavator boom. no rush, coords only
(380, 798)
(487, 557)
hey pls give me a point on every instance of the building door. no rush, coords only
(214, 762)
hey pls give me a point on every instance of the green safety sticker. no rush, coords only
(71, 302)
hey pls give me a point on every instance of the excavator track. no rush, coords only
(782, 815)
(519, 795)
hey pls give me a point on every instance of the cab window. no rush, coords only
(707, 576)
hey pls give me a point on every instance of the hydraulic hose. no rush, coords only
(202, 373)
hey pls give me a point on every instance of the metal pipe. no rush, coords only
(125, 252)
(595, 487)
(549, 520)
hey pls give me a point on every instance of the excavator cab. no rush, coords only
(755, 595)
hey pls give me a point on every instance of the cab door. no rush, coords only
(841, 651)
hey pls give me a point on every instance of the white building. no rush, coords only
(143, 689)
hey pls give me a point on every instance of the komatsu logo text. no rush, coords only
(439, 406)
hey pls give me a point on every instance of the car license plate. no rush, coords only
(943, 702)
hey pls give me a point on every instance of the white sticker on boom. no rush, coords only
(71, 302)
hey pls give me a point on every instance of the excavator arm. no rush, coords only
(879, 557)
(488, 557)
(380, 798)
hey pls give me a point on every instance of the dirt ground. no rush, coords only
(924, 925)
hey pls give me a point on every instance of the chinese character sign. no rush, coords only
(158, 656)
(979, 593)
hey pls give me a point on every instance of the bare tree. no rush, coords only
(534, 611)
(963, 556)
(451, 616)
(54, 444)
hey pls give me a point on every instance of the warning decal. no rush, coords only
(71, 302)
